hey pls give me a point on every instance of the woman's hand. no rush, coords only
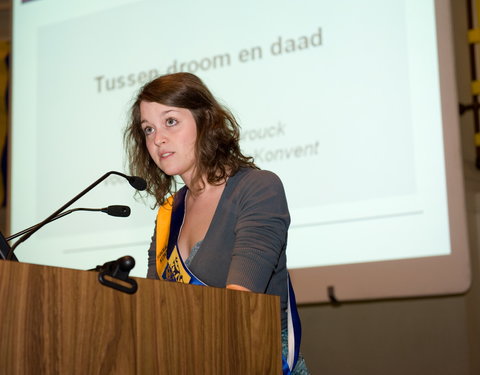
(238, 287)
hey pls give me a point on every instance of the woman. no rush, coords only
(227, 227)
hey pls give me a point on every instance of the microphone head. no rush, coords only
(137, 183)
(119, 211)
(126, 263)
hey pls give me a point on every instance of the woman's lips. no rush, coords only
(165, 155)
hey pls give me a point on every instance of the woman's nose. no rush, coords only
(160, 137)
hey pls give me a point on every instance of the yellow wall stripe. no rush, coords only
(477, 139)
(473, 36)
(475, 87)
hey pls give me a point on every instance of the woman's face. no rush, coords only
(170, 134)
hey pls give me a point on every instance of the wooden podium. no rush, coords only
(63, 321)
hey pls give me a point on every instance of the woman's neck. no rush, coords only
(201, 187)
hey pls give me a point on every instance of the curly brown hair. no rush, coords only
(217, 149)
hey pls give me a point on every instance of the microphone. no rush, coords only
(119, 211)
(136, 182)
(118, 269)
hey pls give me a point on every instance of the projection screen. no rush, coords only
(351, 103)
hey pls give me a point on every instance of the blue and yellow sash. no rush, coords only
(170, 266)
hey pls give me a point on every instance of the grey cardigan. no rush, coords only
(247, 238)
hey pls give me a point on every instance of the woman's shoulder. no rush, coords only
(256, 176)
(252, 180)
(258, 190)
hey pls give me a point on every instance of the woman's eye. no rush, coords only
(171, 122)
(147, 130)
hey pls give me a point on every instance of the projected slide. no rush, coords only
(327, 93)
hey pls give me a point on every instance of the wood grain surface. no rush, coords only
(62, 321)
